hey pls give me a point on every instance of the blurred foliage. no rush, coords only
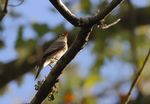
(1, 44)
(3, 90)
(24, 47)
(107, 44)
(58, 29)
(41, 29)
(14, 14)
(85, 6)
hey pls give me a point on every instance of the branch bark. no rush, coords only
(86, 25)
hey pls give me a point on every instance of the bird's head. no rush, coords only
(64, 34)
(63, 37)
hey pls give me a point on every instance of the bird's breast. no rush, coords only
(60, 53)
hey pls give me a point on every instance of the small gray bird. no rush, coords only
(55, 51)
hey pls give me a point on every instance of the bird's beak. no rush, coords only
(66, 34)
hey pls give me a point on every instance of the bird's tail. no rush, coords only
(38, 68)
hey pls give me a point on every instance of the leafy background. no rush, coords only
(101, 73)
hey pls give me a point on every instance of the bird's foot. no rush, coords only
(38, 85)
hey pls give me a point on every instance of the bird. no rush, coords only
(53, 53)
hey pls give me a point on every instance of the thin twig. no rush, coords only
(105, 12)
(137, 77)
(105, 26)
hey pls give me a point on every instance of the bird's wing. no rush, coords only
(39, 67)
(55, 47)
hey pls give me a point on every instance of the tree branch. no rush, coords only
(141, 18)
(84, 21)
(50, 81)
(64, 11)
(77, 45)
(102, 14)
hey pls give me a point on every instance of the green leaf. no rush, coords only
(59, 29)
(19, 38)
(85, 5)
(41, 29)
(25, 50)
